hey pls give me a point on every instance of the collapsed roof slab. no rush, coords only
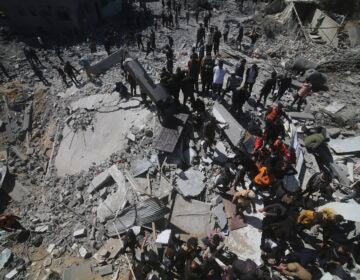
(108, 62)
(78, 150)
(191, 216)
(245, 242)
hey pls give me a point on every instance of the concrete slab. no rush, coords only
(191, 216)
(140, 166)
(232, 129)
(93, 102)
(112, 246)
(108, 62)
(114, 202)
(220, 154)
(245, 242)
(350, 211)
(105, 270)
(78, 272)
(334, 107)
(301, 116)
(19, 192)
(79, 150)
(219, 213)
(345, 146)
(190, 183)
(5, 257)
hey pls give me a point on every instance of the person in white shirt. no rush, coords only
(218, 79)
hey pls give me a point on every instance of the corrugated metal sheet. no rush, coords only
(140, 214)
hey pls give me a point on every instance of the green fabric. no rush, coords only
(313, 141)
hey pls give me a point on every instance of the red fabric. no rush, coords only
(288, 153)
(274, 114)
(259, 142)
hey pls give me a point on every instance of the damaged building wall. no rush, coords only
(47, 16)
(328, 29)
(353, 29)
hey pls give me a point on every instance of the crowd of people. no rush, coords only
(297, 241)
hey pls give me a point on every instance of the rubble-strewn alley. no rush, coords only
(181, 140)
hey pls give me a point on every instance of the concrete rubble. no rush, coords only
(82, 165)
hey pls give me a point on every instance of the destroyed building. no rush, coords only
(111, 170)
(48, 16)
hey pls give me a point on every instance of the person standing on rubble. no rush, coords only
(226, 32)
(206, 22)
(210, 40)
(85, 64)
(58, 54)
(201, 50)
(240, 36)
(284, 84)
(170, 19)
(194, 70)
(4, 71)
(269, 86)
(197, 12)
(139, 42)
(34, 56)
(200, 35)
(248, 167)
(251, 75)
(187, 89)
(132, 83)
(92, 45)
(153, 39)
(171, 41)
(232, 84)
(240, 70)
(319, 182)
(218, 79)
(254, 36)
(70, 71)
(301, 95)
(176, 19)
(40, 74)
(238, 99)
(216, 40)
(187, 16)
(207, 72)
(209, 133)
(169, 58)
(107, 44)
(149, 47)
(62, 75)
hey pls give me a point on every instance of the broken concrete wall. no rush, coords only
(108, 62)
(353, 29)
(328, 28)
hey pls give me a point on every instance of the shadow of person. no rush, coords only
(253, 221)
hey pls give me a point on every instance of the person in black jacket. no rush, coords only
(269, 86)
(284, 84)
(251, 75)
